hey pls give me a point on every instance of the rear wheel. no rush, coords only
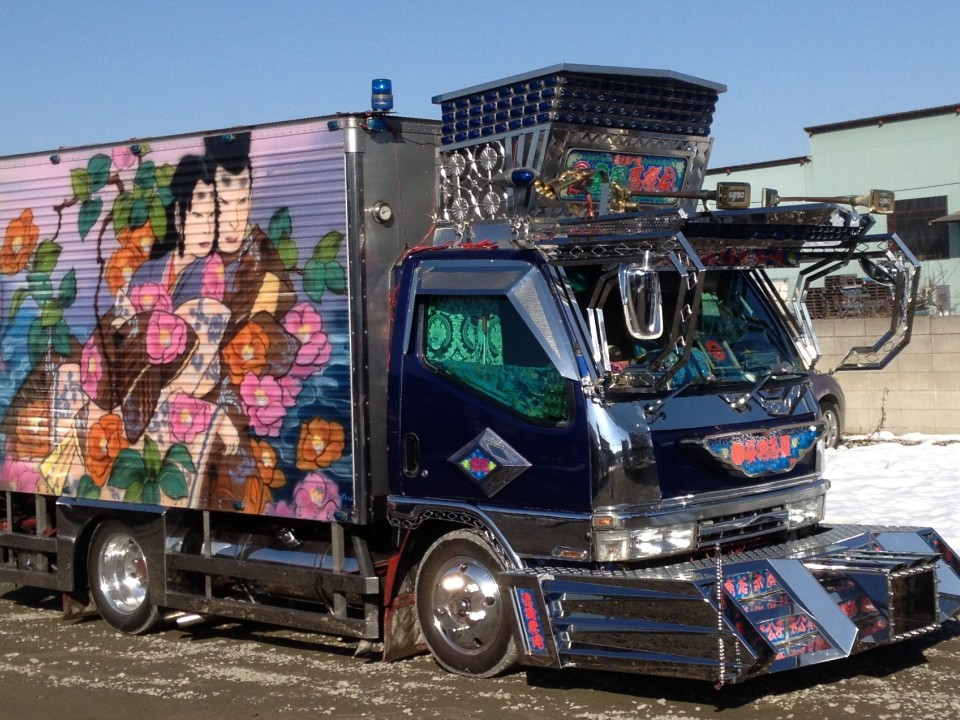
(120, 579)
(463, 613)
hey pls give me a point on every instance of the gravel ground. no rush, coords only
(51, 669)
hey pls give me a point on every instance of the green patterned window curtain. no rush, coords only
(482, 342)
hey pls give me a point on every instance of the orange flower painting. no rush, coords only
(121, 267)
(248, 352)
(104, 443)
(321, 444)
(140, 240)
(19, 242)
(267, 461)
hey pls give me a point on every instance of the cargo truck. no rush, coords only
(511, 387)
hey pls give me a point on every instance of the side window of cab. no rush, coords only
(481, 342)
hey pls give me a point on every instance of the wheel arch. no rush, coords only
(427, 521)
(421, 524)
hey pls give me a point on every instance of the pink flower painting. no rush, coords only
(213, 282)
(265, 403)
(305, 323)
(91, 367)
(317, 497)
(290, 388)
(151, 296)
(123, 157)
(188, 417)
(166, 338)
(19, 475)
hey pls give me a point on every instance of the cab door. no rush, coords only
(490, 408)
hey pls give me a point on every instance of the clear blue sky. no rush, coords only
(75, 73)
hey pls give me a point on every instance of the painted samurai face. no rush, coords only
(199, 226)
(233, 200)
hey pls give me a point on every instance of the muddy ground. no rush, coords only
(78, 671)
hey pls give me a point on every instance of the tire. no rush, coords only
(831, 418)
(463, 613)
(120, 579)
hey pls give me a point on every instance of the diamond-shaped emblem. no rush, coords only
(490, 462)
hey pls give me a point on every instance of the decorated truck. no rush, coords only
(511, 387)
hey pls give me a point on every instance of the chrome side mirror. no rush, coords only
(642, 301)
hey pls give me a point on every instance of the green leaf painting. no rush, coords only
(180, 455)
(289, 254)
(172, 482)
(19, 295)
(336, 278)
(51, 314)
(151, 457)
(139, 213)
(68, 288)
(280, 226)
(147, 478)
(127, 469)
(314, 280)
(87, 489)
(328, 247)
(45, 259)
(144, 178)
(89, 214)
(80, 183)
(98, 169)
(122, 207)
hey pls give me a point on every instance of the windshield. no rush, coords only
(736, 336)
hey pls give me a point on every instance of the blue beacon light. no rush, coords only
(381, 97)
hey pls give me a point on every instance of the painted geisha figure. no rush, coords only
(212, 296)
(152, 355)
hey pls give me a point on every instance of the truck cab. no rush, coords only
(637, 447)
(598, 390)
(617, 361)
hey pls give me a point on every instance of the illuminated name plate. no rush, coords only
(765, 452)
(637, 174)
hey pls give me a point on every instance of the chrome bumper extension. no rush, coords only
(841, 591)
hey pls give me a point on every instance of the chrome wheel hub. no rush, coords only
(467, 607)
(123, 574)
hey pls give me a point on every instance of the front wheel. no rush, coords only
(463, 614)
(120, 579)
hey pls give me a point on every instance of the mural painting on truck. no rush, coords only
(213, 370)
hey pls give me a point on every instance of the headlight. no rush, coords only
(805, 512)
(623, 545)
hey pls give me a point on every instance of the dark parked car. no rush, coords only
(832, 405)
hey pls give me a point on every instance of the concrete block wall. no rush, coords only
(919, 391)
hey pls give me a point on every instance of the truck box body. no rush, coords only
(264, 337)
(503, 386)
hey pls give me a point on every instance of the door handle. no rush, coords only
(411, 455)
